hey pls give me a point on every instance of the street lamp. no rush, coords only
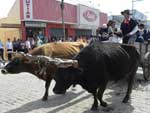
(62, 15)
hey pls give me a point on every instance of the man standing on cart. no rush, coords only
(128, 27)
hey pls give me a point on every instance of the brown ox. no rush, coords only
(37, 65)
(59, 49)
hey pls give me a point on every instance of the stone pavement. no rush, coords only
(22, 93)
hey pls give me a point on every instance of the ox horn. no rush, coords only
(67, 63)
(22, 53)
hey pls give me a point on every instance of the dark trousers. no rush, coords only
(15, 49)
(9, 53)
(2, 53)
(125, 40)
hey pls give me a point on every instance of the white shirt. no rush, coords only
(134, 30)
(9, 45)
(28, 45)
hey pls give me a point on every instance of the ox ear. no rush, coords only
(68, 63)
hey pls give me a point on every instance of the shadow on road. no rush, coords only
(69, 104)
(114, 100)
(113, 108)
(60, 102)
(53, 101)
(117, 93)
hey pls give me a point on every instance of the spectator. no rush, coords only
(75, 38)
(114, 34)
(141, 34)
(28, 45)
(15, 45)
(23, 46)
(41, 37)
(1, 50)
(128, 28)
(103, 33)
(39, 42)
(32, 42)
(19, 45)
(9, 47)
(111, 27)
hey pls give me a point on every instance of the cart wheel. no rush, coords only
(146, 73)
(146, 67)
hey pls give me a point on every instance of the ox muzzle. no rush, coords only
(4, 71)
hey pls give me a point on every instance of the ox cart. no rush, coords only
(144, 51)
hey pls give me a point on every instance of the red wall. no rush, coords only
(71, 31)
(23, 31)
(50, 10)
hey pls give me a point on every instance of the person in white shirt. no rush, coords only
(9, 47)
(28, 44)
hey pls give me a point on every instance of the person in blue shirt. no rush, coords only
(141, 36)
(141, 33)
(41, 37)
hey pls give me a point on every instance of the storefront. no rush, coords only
(45, 16)
(33, 28)
(83, 32)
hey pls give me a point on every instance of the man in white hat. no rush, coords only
(129, 27)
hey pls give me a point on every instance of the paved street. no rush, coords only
(21, 93)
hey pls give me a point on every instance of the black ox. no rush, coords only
(99, 63)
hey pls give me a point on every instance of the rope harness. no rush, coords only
(42, 64)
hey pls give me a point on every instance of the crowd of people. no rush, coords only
(18, 45)
(130, 31)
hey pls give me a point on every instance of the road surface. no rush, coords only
(22, 93)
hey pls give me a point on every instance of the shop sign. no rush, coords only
(89, 15)
(35, 24)
(28, 9)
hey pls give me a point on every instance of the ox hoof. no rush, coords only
(94, 108)
(125, 100)
(44, 99)
(104, 104)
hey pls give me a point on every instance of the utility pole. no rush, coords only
(132, 8)
(62, 15)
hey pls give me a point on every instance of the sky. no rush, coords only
(5, 6)
(112, 7)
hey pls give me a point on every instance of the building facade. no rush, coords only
(45, 16)
(31, 17)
